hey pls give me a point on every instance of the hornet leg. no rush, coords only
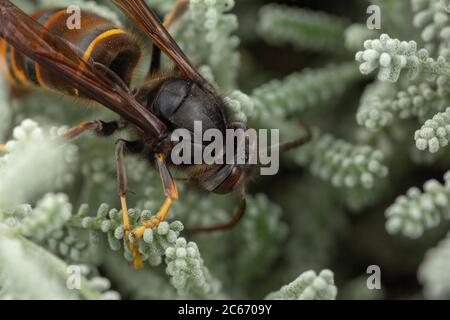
(286, 146)
(171, 193)
(122, 186)
(100, 128)
(237, 215)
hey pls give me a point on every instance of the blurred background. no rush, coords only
(347, 240)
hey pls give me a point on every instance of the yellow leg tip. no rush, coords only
(138, 264)
(138, 232)
(137, 257)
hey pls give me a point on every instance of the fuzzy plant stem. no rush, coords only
(303, 90)
(308, 286)
(433, 272)
(392, 56)
(342, 163)
(302, 28)
(417, 211)
(52, 263)
(435, 133)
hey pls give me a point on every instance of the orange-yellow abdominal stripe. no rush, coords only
(100, 38)
(21, 71)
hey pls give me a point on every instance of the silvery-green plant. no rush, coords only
(417, 211)
(308, 286)
(59, 205)
(412, 83)
(432, 272)
(302, 28)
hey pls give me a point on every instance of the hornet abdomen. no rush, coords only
(97, 38)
